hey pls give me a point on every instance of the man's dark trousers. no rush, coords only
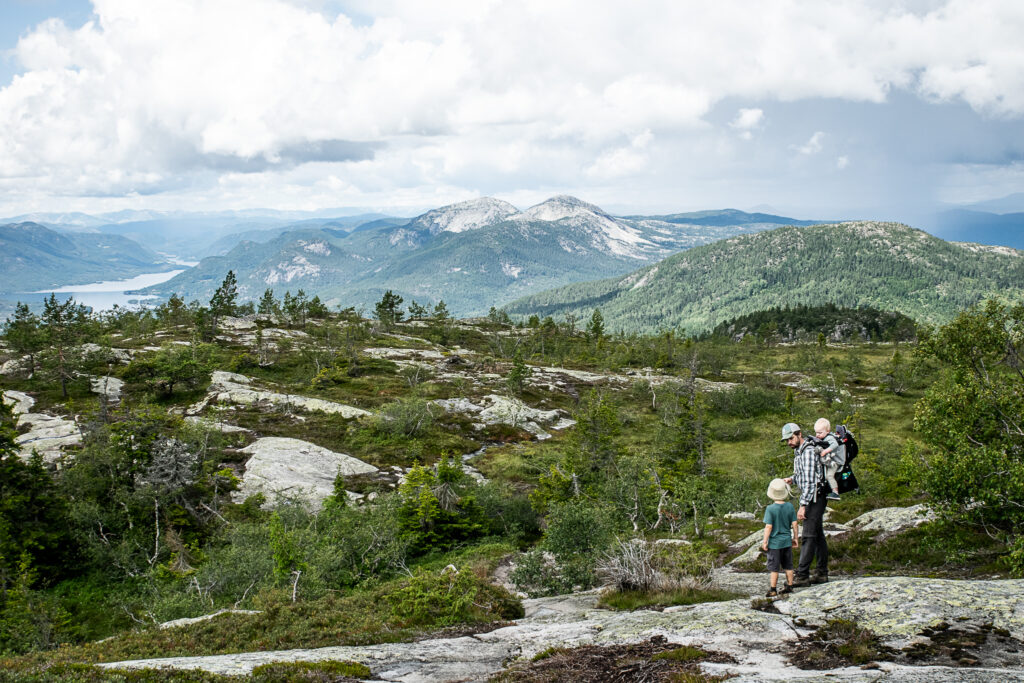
(812, 538)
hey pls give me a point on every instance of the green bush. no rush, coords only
(747, 401)
(451, 597)
(577, 528)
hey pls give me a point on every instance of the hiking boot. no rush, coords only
(788, 588)
(833, 496)
(819, 578)
(771, 593)
(801, 581)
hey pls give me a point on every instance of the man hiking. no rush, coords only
(808, 476)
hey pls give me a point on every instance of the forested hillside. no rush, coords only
(888, 266)
(34, 257)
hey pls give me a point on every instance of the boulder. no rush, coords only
(231, 324)
(496, 409)
(296, 469)
(110, 387)
(891, 521)
(505, 410)
(15, 366)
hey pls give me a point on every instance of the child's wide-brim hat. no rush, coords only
(778, 490)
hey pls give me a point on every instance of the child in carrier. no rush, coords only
(832, 455)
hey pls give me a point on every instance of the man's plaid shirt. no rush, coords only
(807, 472)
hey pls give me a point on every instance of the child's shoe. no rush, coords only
(788, 588)
(833, 496)
(771, 593)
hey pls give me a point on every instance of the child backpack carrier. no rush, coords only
(845, 438)
(845, 478)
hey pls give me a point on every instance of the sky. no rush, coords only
(844, 109)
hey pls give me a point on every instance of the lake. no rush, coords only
(102, 296)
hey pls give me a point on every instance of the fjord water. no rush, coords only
(102, 296)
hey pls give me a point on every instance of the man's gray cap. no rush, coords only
(789, 429)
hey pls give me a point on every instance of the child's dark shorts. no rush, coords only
(780, 559)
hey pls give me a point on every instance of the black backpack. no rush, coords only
(845, 438)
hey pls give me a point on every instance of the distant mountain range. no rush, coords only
(984, 227)
(885, 265)
(194, 235)
(473, 254)
(34, 257)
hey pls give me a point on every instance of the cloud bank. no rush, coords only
(231, 99)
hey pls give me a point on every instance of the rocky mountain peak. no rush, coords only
(468, 215)
(561, 206)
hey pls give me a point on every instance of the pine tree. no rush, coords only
(24, 334)
(595, 329)
(64, 326)
(268, 305)
(441, 311)
(387, 309)
(416, 311)
(224, 300)
(518, 374)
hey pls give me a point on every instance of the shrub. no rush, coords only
(406, 417)
(746, 401)
(637, 565)
(451, 597)
(577, 528)
(629, 566)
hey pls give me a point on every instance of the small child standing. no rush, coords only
(780, 533)
(833, 456)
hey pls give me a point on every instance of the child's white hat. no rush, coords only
(778, 490)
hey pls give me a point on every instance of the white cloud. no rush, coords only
(746, 121)
(813, 145)
(842, 162)
(182, 96)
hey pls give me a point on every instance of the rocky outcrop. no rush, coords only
(391, 353)
(14, 366)
(895, 608)
(108, 387)
(229, 387)
(217, 425)
(295, 469)
(177, 623)
(47, 434)
(891, 521)
(19, 401)
(898, 608)
(495, 409)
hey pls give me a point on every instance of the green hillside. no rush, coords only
(34, 257)
(885, 265)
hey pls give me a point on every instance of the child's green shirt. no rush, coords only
(781, 516)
